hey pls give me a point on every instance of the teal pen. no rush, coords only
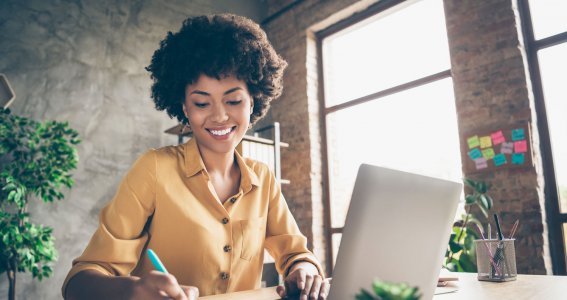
(156, 262)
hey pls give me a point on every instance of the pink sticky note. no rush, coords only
(497, 137)
(520, 146)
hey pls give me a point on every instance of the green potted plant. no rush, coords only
(389, 291)
(460, 255)
(35, 160)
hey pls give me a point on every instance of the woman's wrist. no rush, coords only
(308, 267)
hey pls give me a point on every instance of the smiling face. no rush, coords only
(218, 112)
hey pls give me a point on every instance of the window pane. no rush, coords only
(549, 17)
(415, 130)
(400, 45)
(553, 65)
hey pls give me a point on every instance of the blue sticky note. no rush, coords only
(475, 153)
(499, 159)
(518, 134)
(518, 158)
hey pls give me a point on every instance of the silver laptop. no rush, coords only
(397, 229)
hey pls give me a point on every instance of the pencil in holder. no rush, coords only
(496, 260)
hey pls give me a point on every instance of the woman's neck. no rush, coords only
(219, 164)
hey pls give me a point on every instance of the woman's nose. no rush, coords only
(219, 114)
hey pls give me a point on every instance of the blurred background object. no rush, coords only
(7, 94)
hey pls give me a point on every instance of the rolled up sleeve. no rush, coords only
(284, 241)
(116, 245)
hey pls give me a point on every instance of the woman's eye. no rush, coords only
(201, 105)
(234, 102)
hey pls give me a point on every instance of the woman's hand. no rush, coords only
(158, 285)
(304, 280)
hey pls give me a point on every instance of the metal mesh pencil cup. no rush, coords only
(496, 260)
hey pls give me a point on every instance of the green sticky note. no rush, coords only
(475, 153)
(499, 159)
(488, 153)
(473, 141)
(518, 134)
(518, 158)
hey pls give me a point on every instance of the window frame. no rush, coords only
(555, 219)
(371, 11)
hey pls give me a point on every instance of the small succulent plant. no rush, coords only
(389, 291)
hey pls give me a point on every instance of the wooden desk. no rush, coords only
(261, 294)
(525, 287)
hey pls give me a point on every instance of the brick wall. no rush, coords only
(492, 90)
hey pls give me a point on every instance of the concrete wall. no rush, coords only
(492, 90)
(83, 62)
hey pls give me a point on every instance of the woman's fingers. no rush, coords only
(316, 287)
(281, 291)
(306, 287)
(294, 282)
(325, 287)
(301, 279)
(158, 283)
(191, 292)
(171, 288)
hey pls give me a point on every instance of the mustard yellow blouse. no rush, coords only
(167, 203)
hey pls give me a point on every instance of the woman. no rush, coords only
(207, 212)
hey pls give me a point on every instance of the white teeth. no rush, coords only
(221, 132)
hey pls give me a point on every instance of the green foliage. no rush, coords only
(389, 291)
(36, 160)
(30, 246)
(460, 255)
(479, 196)
(461, 244)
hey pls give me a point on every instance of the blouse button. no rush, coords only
(225, 220)
(233, 200)
(224, 276)
(227, 248)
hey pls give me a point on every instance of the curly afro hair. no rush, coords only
(216, 46)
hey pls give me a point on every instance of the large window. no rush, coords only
(545, 28)
(388, 99)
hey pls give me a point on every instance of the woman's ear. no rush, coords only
(185, 110)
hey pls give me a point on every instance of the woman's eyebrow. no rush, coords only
(199, 93)
(232, 90)
(207, 94)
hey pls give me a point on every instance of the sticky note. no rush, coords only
(507, 148)
(518, 134)
(499, 159)
(480, 163)
(475, 153)
(473, 142)
(520, 146)
(485, 142)
(518, 158)
(497, 137)
(488, 153)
